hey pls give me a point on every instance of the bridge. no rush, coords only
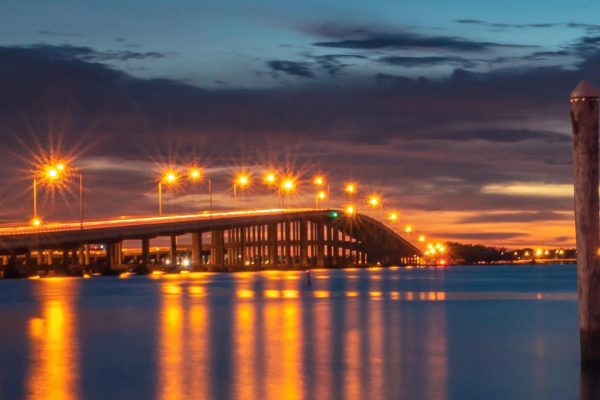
(220, 241)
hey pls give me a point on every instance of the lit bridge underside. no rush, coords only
(237, 240)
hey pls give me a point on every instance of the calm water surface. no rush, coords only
(506, 332)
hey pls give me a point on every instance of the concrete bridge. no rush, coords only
(222, 241)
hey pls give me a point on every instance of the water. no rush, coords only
(501, 332)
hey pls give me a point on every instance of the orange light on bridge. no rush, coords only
(36, 221)
(288, 185)
(421, 238)
(350, 210)
(393, 216)
(321, 195)
(408, 229)
(170, 177)
(319, 181)
(195, 174)
(351, 188)
(242, 180)
(374, 200)
(270, 178)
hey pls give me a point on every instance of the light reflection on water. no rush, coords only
(53, 370)
(376, 334)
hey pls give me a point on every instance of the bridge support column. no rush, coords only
(117, 254)
(287, 240)
(303, 244)
(243, 246)
(49, 258)
(320, 246)
(173, 251)
(64, 261)
(272, 244)
(335, 249)
(143, 268)
(217, 257)
(196, 250)
(87, 259)
(39, 259)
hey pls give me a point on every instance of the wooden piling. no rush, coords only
(584, 120)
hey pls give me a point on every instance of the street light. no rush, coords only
(169, 178)
(351, 188)
(195, 174)
(270, 178)
(393, 216)
(350, 210)
(242, 180)
(319, 181)
(288, 185)
(321, 195)
(408, 229)
(53, 173)
(374, 201)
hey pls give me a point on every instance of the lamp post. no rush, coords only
(195, 174)
(51, 174)
(288, 185)
(169, 177)
(319, 181)
(242, 180)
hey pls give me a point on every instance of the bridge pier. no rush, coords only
(217, 251)
(320, 247)
(196, 250)
(173, 250)
(144, 266)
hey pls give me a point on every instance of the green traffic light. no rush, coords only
(334, 214)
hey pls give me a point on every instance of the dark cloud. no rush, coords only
(334, 63)
(497, 135)
(372, 40)
(413, 62)
(294, 68)
(59, 33)
(83, 53)
(525, 217)
(539, 25)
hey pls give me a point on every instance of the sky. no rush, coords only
(457, 112)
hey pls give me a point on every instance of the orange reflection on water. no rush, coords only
(54, 369)
(283, 358)
(171, 368)
(245, 294)
(182, 343)
(245, 351)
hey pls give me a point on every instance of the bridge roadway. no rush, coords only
(233, 240)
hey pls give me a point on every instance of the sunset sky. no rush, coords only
(456, 111)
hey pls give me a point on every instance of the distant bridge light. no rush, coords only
(288, 185)
(319, 181)
(322, 195)
(350, 209)
(422, 238)
(170, 177)
(408, 229)
(270, 178)
(374, 201)
(351, 188)
(195, 174)
(393, 216)
(242, 180)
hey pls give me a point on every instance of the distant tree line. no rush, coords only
(478, 254)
